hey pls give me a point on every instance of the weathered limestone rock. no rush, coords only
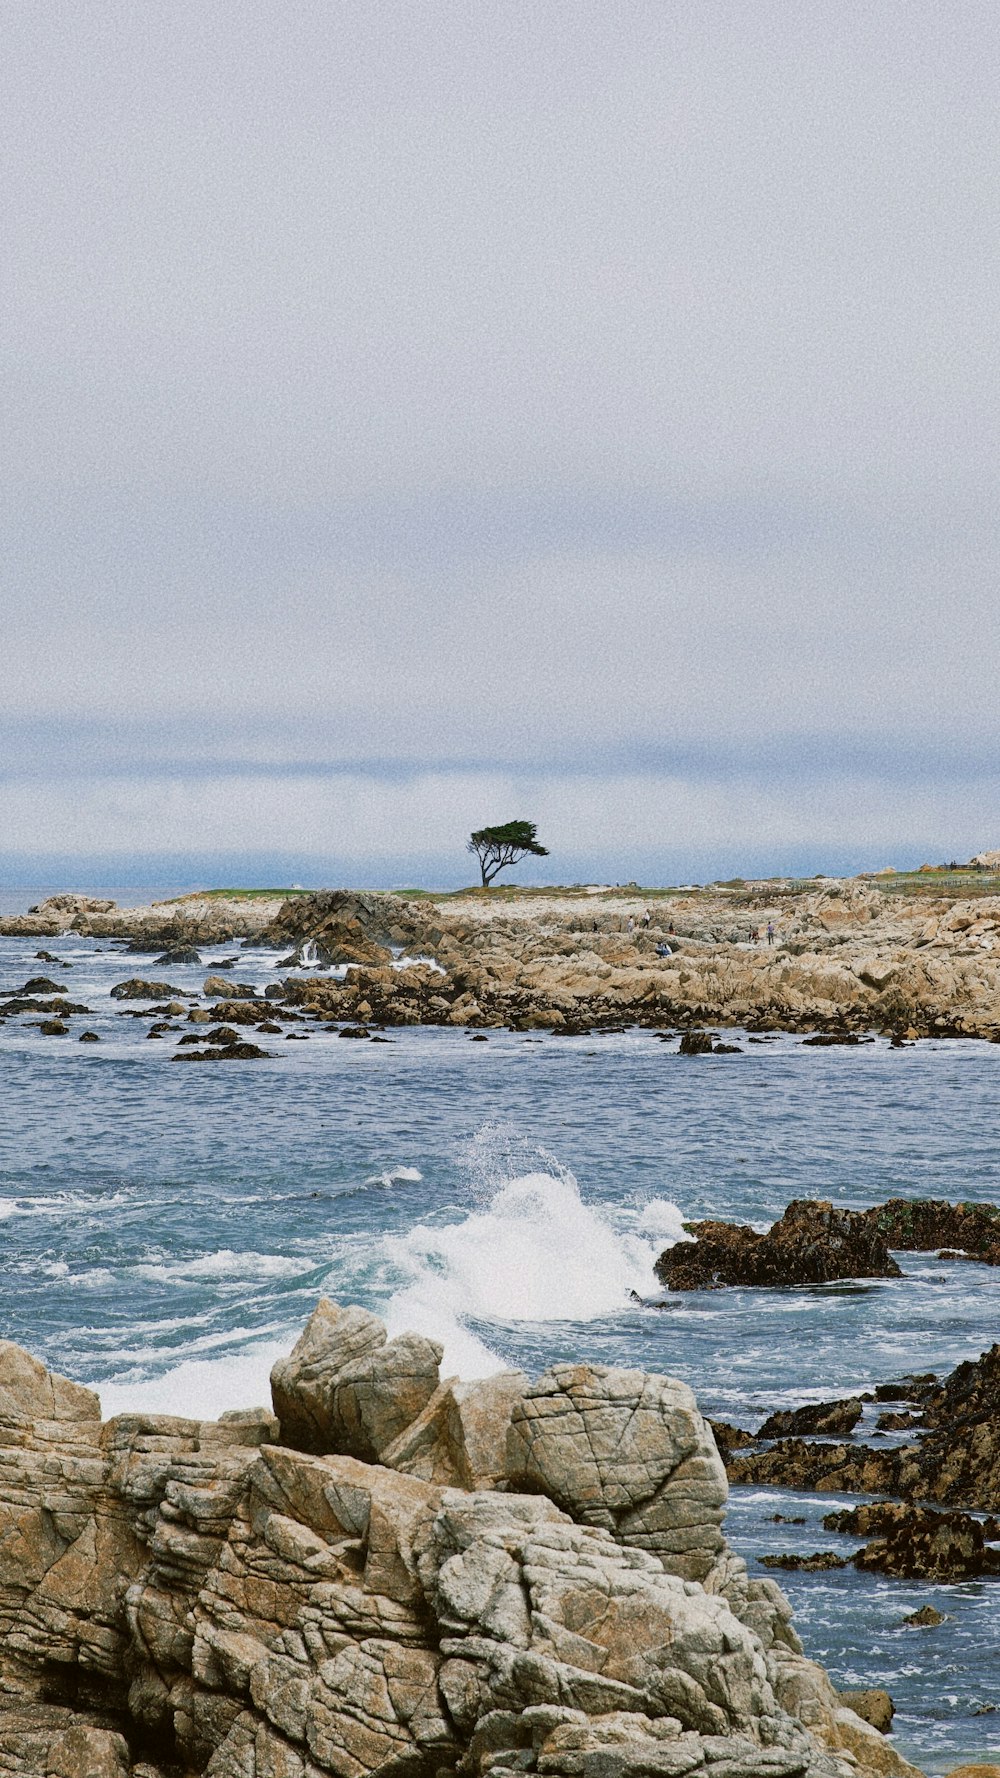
(460, 1438)
(251, 1610)
(347, 1387)
(626, 1451)
(28, 1391)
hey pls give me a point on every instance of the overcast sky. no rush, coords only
(421, 414)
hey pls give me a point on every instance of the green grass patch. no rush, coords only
(233, 895)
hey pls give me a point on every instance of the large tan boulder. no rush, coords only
(627, 1451)
(30, 1392)
(460, 1439)
(347, 1388)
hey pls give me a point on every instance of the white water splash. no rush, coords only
(199, 1389)
(532, 1251)
(396, 1176)
(662, 1219)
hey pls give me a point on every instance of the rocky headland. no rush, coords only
(847, 958)
(390, 1572)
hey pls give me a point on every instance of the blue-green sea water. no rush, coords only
(165, 1230)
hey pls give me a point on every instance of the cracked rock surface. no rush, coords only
(527, 1578)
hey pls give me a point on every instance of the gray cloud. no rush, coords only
(593, 406)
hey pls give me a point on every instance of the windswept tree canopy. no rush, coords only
(497, 847)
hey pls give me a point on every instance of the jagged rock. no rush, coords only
(626, 1451)
(730, 1438)
(460, 1438)
(28, 1391)
(873, 1705)
(957, 1462)
(814, 1564)
(916, 1543)
(346, 1387)
(924, 1225)
(345, 926)
(138, 989)
(216, 986)
(812, 1243)
(254, 1611)
(835, 1418)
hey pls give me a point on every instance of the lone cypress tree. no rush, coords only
(497, 847)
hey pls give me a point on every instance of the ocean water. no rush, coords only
(165, 1230)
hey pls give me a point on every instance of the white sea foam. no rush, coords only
(663, 1220)
(60, 1204)
(225, 1263)
(396, 1176)
(199, 1389)
(532, 1251)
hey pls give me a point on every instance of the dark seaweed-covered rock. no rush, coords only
(10, 1008)
(918, 1544)
(730, 1438)
(138, 989)
(955, 1463)
(812, 1243)
(227, 1052)
(696, 1043)
(835, 1418)
(925, 1225)
(927, 1618)
(814, 1564)
(971, 1393)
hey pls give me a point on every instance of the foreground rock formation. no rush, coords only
(393, 1573)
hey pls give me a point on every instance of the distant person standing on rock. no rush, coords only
(770, 932)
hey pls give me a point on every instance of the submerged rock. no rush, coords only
(138, 989)
(223, 1052)
(927, 1618)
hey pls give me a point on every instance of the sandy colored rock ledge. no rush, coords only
(180, 1596)
(848, 957)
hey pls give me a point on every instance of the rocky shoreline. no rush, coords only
(390, 1572)
(847, 960)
